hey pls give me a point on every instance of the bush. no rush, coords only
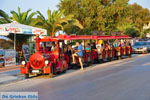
(133, 32)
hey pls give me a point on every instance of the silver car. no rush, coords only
(148, 46)
(140, 47)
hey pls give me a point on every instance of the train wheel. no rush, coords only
(92, 61)
(51, 75)
(129, 55)
(118, 57)
(86, 63)
(26, 76)
(64, 71)
(109, 59)
(146, 52)
(100, 61)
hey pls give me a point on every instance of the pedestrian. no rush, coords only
(78, 53)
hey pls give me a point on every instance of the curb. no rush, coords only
(5, 69)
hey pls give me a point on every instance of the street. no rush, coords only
(9, 74)
(126, 79)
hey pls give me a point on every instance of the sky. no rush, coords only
(43, 5)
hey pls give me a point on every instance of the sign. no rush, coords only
(26, 52)
(39, 31)
(19, 96)
(2, 29)
(26, 31)
(15, 27)
(2, 61)
(10, 57)
(13, 30)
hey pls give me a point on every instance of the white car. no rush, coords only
(148, 46)
(140, 47)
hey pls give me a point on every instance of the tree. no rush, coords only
(139, 16)
(4, 18)
(23, 17)
(96, 15)
(83, 10)
(133, 32)
(56, 21)
(115, 15)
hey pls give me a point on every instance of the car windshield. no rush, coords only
(148, 43)
(140, 43)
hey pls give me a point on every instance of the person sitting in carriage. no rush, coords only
(88, 47)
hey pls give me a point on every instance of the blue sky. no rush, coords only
(43, 5)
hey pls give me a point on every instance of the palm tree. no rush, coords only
(4, 18)
(56, 21)
(23, 17)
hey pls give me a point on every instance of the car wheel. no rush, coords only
(144, 52)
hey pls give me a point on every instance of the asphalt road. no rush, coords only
(9, 75)
(126, 79)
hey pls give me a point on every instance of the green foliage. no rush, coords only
(3, 21)
(139, 15)
(4, 18)
(133, 32)
(56, 21)
(99, 15)
(106, 15)
(23, 17)
(147, 31)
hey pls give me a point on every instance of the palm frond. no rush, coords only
(15, 16)
(25, 15)
(4, 15)
(29, 18)
(49, 15)
(41, 16)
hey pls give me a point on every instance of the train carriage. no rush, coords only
(53, 60)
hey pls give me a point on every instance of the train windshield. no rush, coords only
(48, 46)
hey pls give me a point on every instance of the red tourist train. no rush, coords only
(51, 57)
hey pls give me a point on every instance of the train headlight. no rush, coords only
(46, 62)
(23, 62)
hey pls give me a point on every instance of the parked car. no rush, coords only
(140, 47)
(148, 46)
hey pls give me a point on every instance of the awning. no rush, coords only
(3, 33)
(17, 28)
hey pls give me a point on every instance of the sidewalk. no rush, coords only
(9, 68)
(8, 74)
